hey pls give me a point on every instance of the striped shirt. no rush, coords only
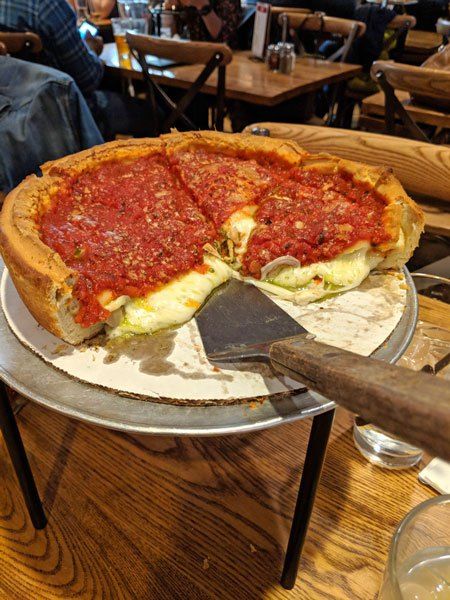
(55, 22)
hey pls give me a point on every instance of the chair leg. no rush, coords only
(312, 469)
(16, 450)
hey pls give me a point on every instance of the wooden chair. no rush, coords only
(323, 27)
(410, 160)
(212, 56)
(276, 11)
(21, 42)
(409, 79)
(397, 32)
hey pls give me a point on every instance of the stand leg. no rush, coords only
(20, 462)
(312, 469)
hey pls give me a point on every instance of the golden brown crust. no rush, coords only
(242, 144)
(42, 279)
(403, 220)
(45, 283)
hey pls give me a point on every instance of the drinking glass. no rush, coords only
(133, 9)
(120, 27)
(428, 351)
(418, 566)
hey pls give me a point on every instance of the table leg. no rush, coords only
(16, 450)
(312, 469)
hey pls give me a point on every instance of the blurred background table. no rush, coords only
(246, 79)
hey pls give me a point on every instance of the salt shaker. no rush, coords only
(287, 58)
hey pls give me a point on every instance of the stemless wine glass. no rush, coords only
(418, 566)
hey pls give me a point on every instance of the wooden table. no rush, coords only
(247, 79)
(409, 159)
(198, 519)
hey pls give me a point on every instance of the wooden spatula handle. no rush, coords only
(412, 405)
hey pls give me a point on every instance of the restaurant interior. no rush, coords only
(149, 469)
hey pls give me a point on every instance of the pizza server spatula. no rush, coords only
(238, 322)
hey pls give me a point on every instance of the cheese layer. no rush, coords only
(238, 228)
(173, 304)
(312, 282)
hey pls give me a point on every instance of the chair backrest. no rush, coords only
(212, 56)
(420, 80)
(179, 50)
(401, 21)
(278, 10)
(395, 76)
(17, 42)
(319, 23)
(397, 32)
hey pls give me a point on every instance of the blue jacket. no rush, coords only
(43, 116)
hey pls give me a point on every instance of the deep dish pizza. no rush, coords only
(134, 235)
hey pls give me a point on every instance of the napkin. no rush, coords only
(437, 475)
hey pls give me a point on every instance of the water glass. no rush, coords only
(133, 9)
(120, 26)
(382, 449)
(427, 352)
(418, 566)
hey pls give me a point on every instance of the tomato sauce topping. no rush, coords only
(125, 226)
(313, 217)
(223, 184)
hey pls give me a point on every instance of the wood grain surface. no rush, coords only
(325, 24)
(246, 79)
(178, 50)
(169, 518)
(374, 105)
(419, 80)
(422, 168)
(423, 41)
(16, 42)
(380, 393)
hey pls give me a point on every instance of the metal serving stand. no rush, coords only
(33, 378)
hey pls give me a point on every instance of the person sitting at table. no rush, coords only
(56, 24)
(210, 20)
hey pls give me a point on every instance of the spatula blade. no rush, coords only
(238, 321)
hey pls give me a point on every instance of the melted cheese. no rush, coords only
(173, 304)
(238, 228)
(312, 282)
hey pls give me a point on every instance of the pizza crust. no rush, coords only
(45, 283)
(42, 279)
(402, 217)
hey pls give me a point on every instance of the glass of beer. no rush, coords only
(419, 559)
(120, 27)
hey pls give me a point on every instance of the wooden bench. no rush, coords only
(423, 169)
